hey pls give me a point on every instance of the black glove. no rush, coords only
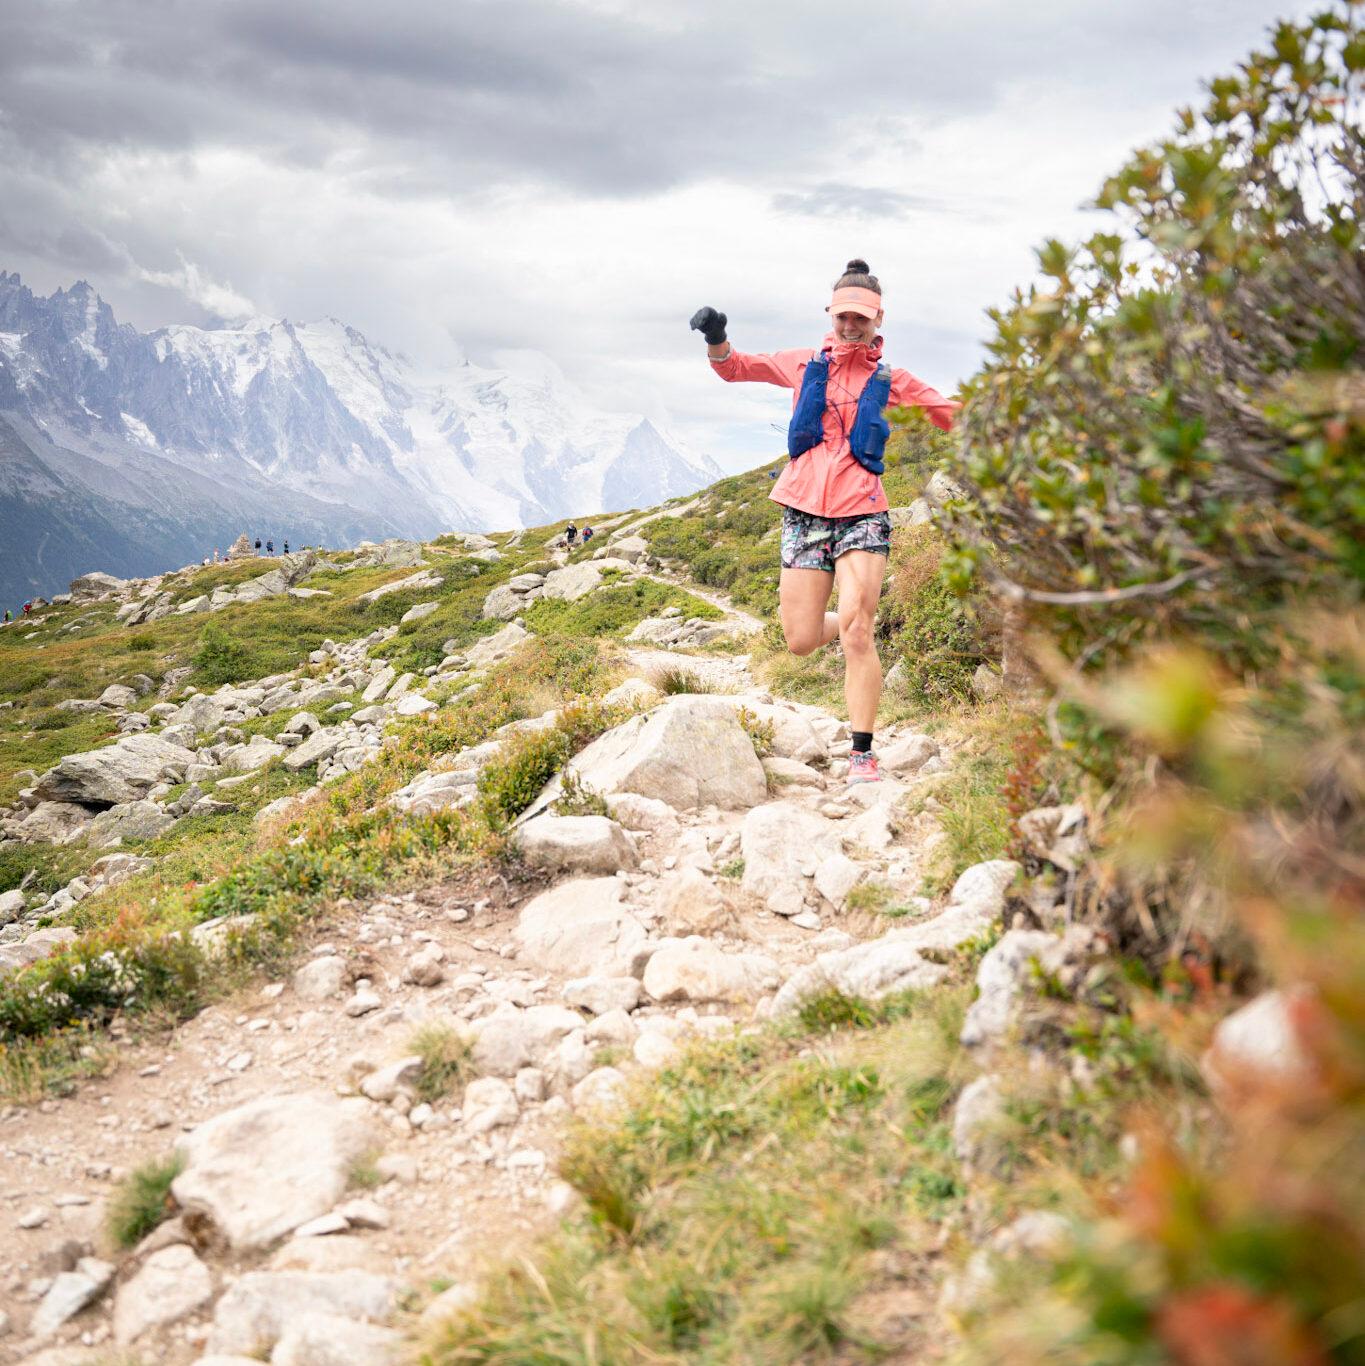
(710, 324)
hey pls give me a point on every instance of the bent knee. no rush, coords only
(802, 643)
(857, 637)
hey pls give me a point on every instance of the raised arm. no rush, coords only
(782, 368)
(909, 392)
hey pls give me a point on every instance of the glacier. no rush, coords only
(135, 452)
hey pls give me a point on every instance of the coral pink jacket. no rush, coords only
(827, 480)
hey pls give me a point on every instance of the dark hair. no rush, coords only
(858, 275)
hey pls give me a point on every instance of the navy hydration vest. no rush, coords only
(870, 428)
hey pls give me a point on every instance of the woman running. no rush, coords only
(835, 523)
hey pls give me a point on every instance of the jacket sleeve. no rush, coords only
(909, 392)
(782, 368)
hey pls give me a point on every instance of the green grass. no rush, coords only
(142, 1200)
(134, 955)
(747, 1198)
(613, 609)
(447, 1061)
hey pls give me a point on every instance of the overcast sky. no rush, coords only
(488, 178)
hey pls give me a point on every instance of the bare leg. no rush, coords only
(803, 595)
(859, 574)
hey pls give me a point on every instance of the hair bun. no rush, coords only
(856, 267)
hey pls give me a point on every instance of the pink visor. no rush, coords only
(851, 299)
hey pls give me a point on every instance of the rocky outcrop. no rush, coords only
(123, 772)
(688, 752)
(580, 929)
(313, 1141)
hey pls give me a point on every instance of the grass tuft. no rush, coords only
(447, 1060)
(143, 1200)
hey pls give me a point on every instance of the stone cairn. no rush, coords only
(241, 549)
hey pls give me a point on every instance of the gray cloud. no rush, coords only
(543, 91)
(833, 199)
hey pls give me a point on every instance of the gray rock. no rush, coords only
(55, 822)
(302, 723)
(986, 683)
(321, 978)
(579, 844)
(334, 1340)
(793, 735)
(907, 754)
(122, 772)
(512, 1038)
(247, 758)
(1057, 834)
(1002, 979)
(436, 791)
(688, 752)
(426, 579)
(489, 1103)
(388, 1081)
(169, 1285)
(1260, 1044)
(322, 744)
(69, 1293)
(313, 1141)
(580, 929)
(259, 1307)
(142, 820)
(88, 587)
(118, 695)
(418, 611)
(690, 903)
(601, 995)
(503, 603)
(779, 842)
(496, 647)
(694, 969)
(601, 1089)
(903, 959)
(12, 904)
(379, 684)
(576, 581)
(978, 1118)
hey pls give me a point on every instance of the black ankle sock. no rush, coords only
(862, 741)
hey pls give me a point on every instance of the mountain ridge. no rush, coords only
(158, 447)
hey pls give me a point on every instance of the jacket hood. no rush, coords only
(843, 350)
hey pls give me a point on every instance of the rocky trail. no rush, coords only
(324, 1211)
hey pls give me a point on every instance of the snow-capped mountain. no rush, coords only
(131, 452)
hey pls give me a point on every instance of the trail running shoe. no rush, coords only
(862, 768)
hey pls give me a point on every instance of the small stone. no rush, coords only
(69, 1293)
(364, 1214)
(35, 1217)
(320, 979)
(398, 1167)
(362, 1003)
(322, 1226)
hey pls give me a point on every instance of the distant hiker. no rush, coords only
(571, 535)
(286, 547)
(270, 547)
(588, 534)
(28, 609)
(9, 616)
(258, 545)
(215, 554)
(835, 523)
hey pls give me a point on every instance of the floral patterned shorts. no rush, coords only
(811, 542)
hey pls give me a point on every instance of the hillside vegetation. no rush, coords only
(1051, 1050)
